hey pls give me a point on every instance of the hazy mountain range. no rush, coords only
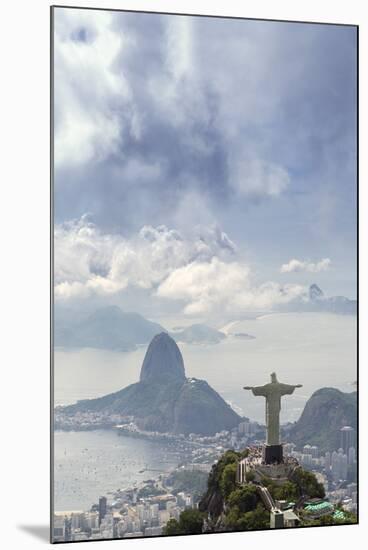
(105, 328)
(316, 301)
(112, 328)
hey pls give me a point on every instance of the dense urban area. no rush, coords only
(145, 509)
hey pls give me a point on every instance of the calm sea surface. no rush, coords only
(90, 464)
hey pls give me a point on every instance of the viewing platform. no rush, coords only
(257, 469)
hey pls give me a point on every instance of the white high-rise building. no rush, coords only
(347, 435)
(307, 459)
(339, 465)
(307, 450)
(327, 460)
(351, 455)
(154, 511)
(91, 520)
(170, 505)
(59, 528)
(244, 427)
(288, 448)
(335, 466)
(344, 466)
(314, 451)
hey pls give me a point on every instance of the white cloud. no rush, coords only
(204, 285)
(253, 176)
(179, 36)
(298, 265)
(219, 286)
(89, 94)
(199, 269)
(88, 261)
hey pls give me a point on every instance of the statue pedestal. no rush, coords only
(272, 454)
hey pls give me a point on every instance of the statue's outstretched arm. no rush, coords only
(287, 389)
(256, 390)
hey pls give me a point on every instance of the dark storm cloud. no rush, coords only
(167, 159)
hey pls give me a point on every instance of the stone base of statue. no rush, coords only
(272, 454)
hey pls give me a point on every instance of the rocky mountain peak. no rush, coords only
(315, 293)
(163, 361)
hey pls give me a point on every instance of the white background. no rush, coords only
(24, 280)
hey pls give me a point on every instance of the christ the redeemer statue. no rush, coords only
(273, 393)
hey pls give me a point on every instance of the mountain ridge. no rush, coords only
(324, 414)
(164, 400)
(107, 328)
(110, 327)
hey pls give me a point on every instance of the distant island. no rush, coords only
(198, 334)
(243, 336)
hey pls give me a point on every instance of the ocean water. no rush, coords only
(90, 464)
(313, 349)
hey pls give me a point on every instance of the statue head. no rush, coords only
(273, 377)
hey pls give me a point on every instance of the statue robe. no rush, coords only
(273, 393)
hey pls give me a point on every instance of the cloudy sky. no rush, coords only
(202, 165)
